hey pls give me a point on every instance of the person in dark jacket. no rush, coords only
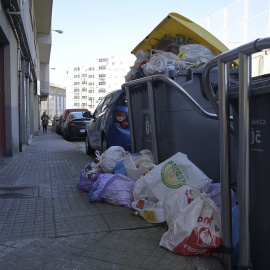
(44, 121)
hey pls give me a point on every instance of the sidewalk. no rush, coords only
(46, 223)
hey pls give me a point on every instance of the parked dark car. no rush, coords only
(109, 124)
(58, 125)
(74, 125)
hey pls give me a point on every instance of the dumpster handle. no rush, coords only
(174, 84)
(243, 53)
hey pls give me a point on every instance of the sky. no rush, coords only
(99, 29)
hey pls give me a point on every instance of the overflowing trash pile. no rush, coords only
(175, 192)
(172, 56)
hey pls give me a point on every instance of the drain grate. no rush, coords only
(19, 192)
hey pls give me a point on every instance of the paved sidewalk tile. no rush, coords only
(46, 223)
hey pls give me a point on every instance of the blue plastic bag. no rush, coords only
(120, 168)
(116, 189)
(86, 182)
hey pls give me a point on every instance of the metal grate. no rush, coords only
(19, 192)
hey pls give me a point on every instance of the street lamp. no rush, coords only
(58, 31)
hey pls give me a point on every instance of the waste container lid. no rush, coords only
(175, 24)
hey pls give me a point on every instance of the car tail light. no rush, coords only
(124, 125)
(71, 123)
(120, 116)
(121, 120)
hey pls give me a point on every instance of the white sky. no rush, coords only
(100, 29)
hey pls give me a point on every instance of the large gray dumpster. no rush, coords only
(250, 102)
(259, 110)
(169, 116)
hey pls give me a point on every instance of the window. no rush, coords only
(107, 102)
(76, 104)
(101, 67)
(122, 101)
(76, 97)
(102, 83)
(84, 97)
(84, 82)
(84, 75)
(91, 83)
(76, 69)
(91, 76)
(103, 60)
(102, 75)
(76, 90)
(102, 91)
(76, 83)
(76, 76)
(91, 68)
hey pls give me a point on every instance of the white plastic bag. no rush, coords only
(158, 62)
(165, 179)
(141, 56)
(196, 230)
(137, 165)
(110, 157)
(141, 191)
(182, 197)
(193, 52)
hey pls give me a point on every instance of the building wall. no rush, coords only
(86, 86)
(19, 24)
(55, 105)
(10, 89)
(241, 22)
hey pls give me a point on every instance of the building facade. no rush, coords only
(55, 105)
(86, 86)
(25, 45)
(241, 22)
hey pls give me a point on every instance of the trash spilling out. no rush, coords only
(168, 188)
(182, 53)
(151, 212)
(175, 192)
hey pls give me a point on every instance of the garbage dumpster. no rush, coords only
(251, 117)
(259, 172)
(168, 117)
(165, 122)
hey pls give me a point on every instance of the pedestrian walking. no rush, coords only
(44, 121)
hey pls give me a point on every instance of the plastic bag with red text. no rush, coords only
(196, 230)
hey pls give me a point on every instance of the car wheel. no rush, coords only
(66, 137)
(104, 144)
(88, 149)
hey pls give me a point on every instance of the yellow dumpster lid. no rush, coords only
(175, 24)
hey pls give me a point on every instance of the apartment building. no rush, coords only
(55, 105)
(86, 86)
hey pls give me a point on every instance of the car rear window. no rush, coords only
(76, 114)
(122, 101)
